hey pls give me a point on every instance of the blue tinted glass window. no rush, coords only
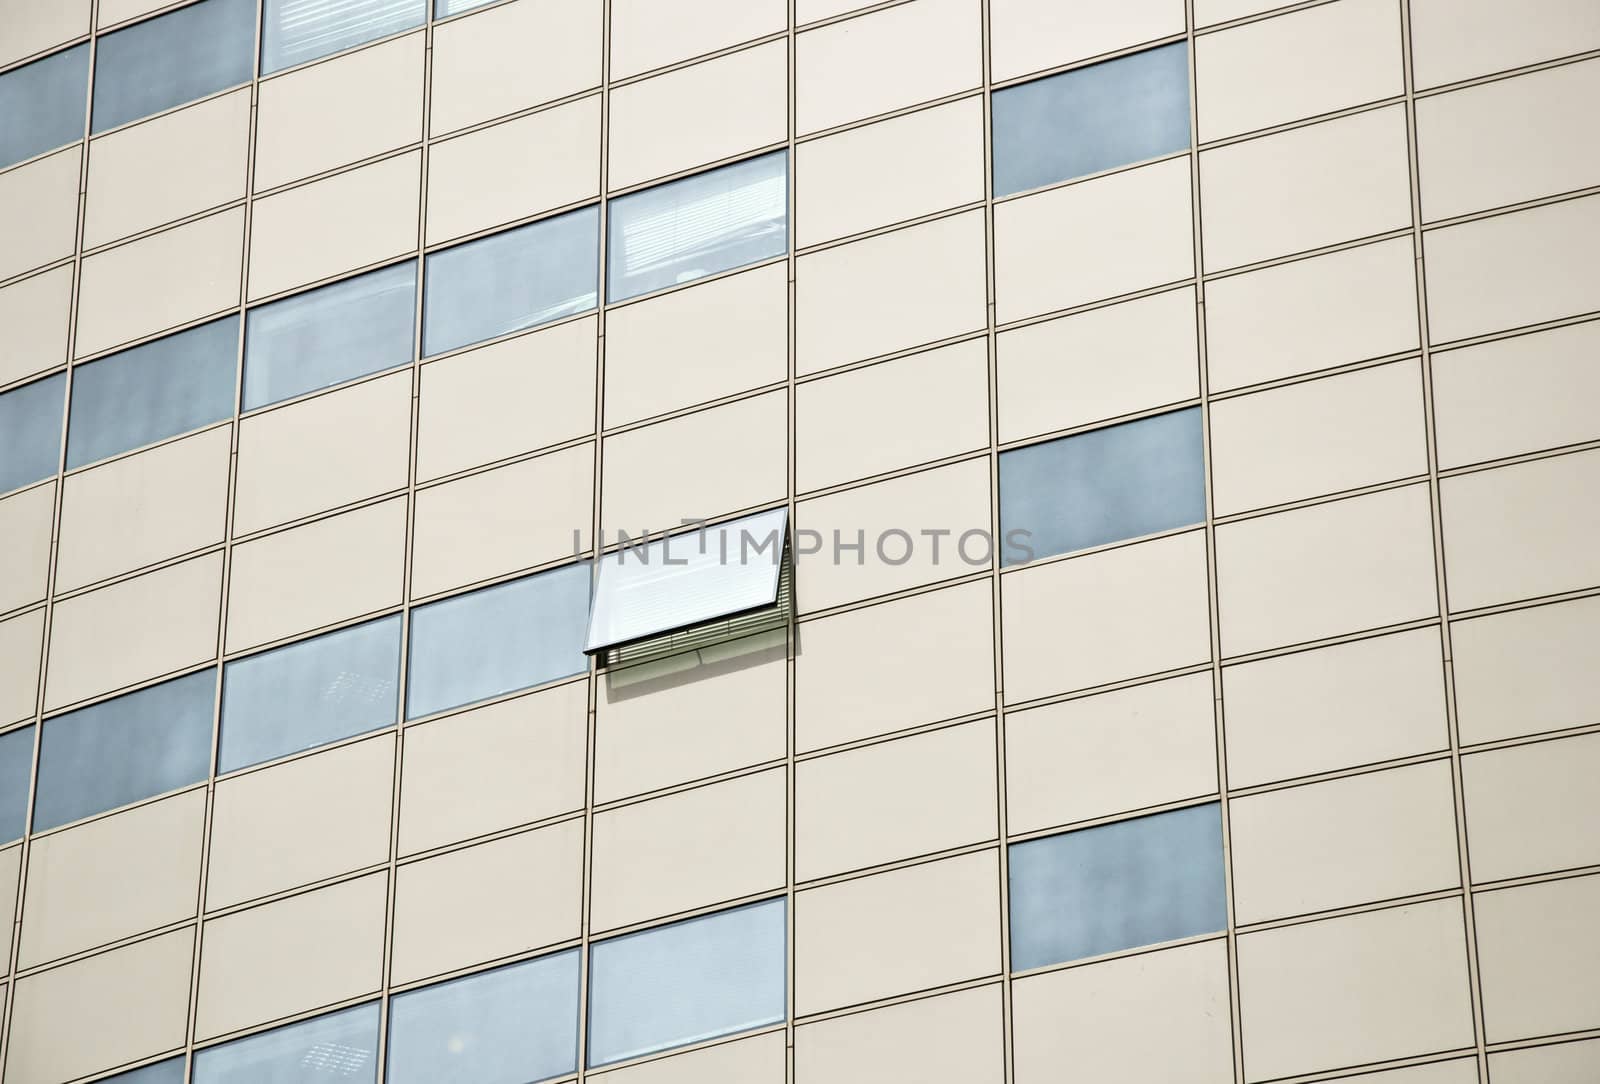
(172, 59)
(162, 1072)
(513, 280)
(16, 768)
(1103, 486)
(311, 693)
(152, 392)
(1117, 886)
(497, 640)
(689, 981)
(124, 750)
(341, 1046)
(512, 1025)
(698, 226)
(442, 8)
(295, 31)
(1090, 119)
(41, 104)
(30, 431)
(329, 335)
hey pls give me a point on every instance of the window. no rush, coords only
(172, 59)
(1104, 485)
(30, 431)
(41, 104)
(1117, 886)
(698, 226)
(339, 1046)
(295, 31)
(162, 1072)
(1089, 119)
(16, 769)
(329, 335)
(516, 1023)
(154, 391)
(310, 693)
(125, 750)
(689, 981)
(513, 280)
(445, 8)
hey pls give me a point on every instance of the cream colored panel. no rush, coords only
(757, 1060)
(295, 954)
(488, 901)
(1030, 35)
(36, 313)
(333, 805)
(510, 57)
(953, 1039)
(1459, 1071)
(892, 522)
(284, 454)
(315, 575)
(1358, 563)
(144, 508)
(808, 11)
(1137, 224)
(1346, 991)
(891, 933)
(159, 282)
(907, 167)
(1527, 671)
(167, 168)
(138, 629)
(1098, 1019)
(1112, 753)
(503, 520)
(862, 67)
(888, 293)
(1533, 808)
(1098, 364)
(1150, 614)
(1208, 12)
(493, 767)
(1336, 707)
(647, 34)
(1458, 39)
(379, 96)
(334, 225)
(32, 27)
(1311, 314)
(891, 415)
(21, 644)
(116, 11)
(1298, 441)
(688, 850)
(1302, 189)
(39, 211)
(690, 346)
(1562, 1063)
(10, 872)
(26, 521)
(1522, 531)
(506, 399)
(1539, 959)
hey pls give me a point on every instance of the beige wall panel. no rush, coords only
(36, 313)
(291, 955)
(39, 211)
(809, 11)
(647, 34)
(379, 91)
(1359, 563)
(1098, 1019)
(1111, 753)
(10, 872)
(909, 929)
(1335, 707)
(1527, 671)
(1311, 314)
(891, 415)
(488, 901)
(21, 644)
(1459, 1071)
(1533, 808)
(116, 11)
(1151, 615)
(26, 521)
(1030, 35)
(1208, 12)
(953, 1039)
(134, 630)
(690, 346)
(861, 68)
(1302, 189)
(757, 1060)
(1458, 39)
(144, 508)
(1539, 955)
(1137, 223)
(167, 168)
(887, 293)
(32, 27)
(1562, 1063)
(510, 57)
(1345, 991)
(334, 805)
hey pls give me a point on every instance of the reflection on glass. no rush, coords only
(30, 431)
(172, 59)
(340, 1046)
(442, 8)
(41, 104)
(16, 767)
(295, 31)
(162, 1072)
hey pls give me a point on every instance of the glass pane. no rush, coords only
(1103, 486)
(341, 1046)
(1090, 119)
(513, 280)
(162, 1072)
(125, 750)
(16, 768)
(1117, 886)
(513, 1025)
(30, 431)
(152, 392)
(711, 222)
(497, 640)
(295, 31)
(311, 693)
(41, 104)
(442, 8)
(329, 335)
(172, 59)
(689, 981)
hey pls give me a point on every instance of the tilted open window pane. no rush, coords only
(16, 768)
(30, 432)
(295, 31)
(41, 104)
(341, 1046)
(162, 1072)
(171, 59)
